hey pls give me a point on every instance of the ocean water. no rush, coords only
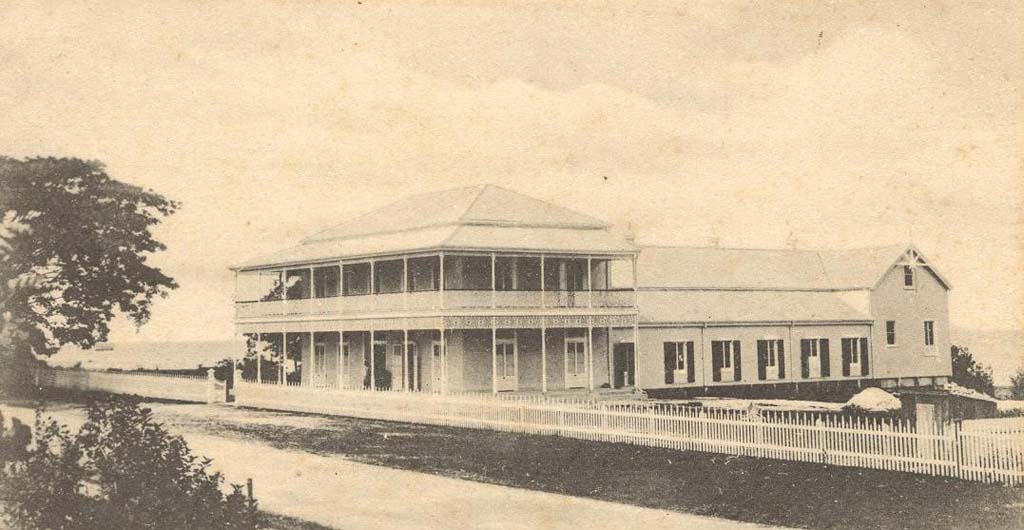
(148, 355)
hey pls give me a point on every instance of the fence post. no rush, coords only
(211, 387)
(236, 380)
(957, 447)
(819, 433)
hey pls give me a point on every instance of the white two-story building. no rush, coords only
(482, 289)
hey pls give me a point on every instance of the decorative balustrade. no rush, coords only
(436, 300)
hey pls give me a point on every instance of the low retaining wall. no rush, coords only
(196, 389)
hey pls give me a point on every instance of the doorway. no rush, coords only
(624, 363)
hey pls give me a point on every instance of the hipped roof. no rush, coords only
(475, 218)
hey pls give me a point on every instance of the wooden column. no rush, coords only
(341, 358)
(543, 288)
(543, 356)
(590, 355)
(259, 359)
(636, 354)
(373, 353)
(494, 282)
(406, 379)
(590, 284)
(636, 330)
(444, 360)
(440, 287)
(341, 286)
(494, 357)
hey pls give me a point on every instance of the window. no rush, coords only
(770, 359)
(320, 361)
(467, 273)
(855, 356)
(890, 332)
(565, 274)
(271, 287)
(356, 278)
(387, 276)
(506, 349)
(576, 355)
(725, 360)
(325, 282)
(908, 277)
(814, 358)
(679, 362)
(929, 333)
(424, 273)
(297, 282)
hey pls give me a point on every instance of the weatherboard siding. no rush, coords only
(652, 339)
(909, 308)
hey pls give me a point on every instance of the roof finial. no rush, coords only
(630, 233)
(791, 241)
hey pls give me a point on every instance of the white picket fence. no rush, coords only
(193, 388)
(979, 450)
(875, 444)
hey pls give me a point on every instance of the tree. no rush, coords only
(74, 245)
(1017, 385)
(968, 373)
(121, 470)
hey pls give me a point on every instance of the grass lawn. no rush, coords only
(738, 488)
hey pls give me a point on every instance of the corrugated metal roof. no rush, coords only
(744, 306)
(479, 217)
(753, 269)
(487, 204)
(538, 239)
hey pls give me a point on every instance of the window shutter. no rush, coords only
(864, 356)
(691, 372)
(670, 362)
(736, 360)
(805, 353)
(716, 361)
(823, 357)
(847, 347)
(782, 359)
(762, 359)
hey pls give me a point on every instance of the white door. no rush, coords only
(397, 367)
(319, 372)
(436, 367)
(507, 365)
(575, 362)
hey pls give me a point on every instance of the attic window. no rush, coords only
(908, 277)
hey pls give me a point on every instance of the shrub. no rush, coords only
(121, 470)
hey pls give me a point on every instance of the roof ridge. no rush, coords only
(469, 208)
(824, 269)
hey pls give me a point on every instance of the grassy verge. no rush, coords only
(745, 489)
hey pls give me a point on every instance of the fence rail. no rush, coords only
(885, 444)
(193, 388)
(985, 451)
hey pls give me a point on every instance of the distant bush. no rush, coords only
(122, 470)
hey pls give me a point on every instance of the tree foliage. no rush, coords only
(73, 250)
(121, 470)
(970, 374)
(1017, 385)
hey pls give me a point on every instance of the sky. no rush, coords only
(824, 125)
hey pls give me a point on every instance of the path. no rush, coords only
(339, 493)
